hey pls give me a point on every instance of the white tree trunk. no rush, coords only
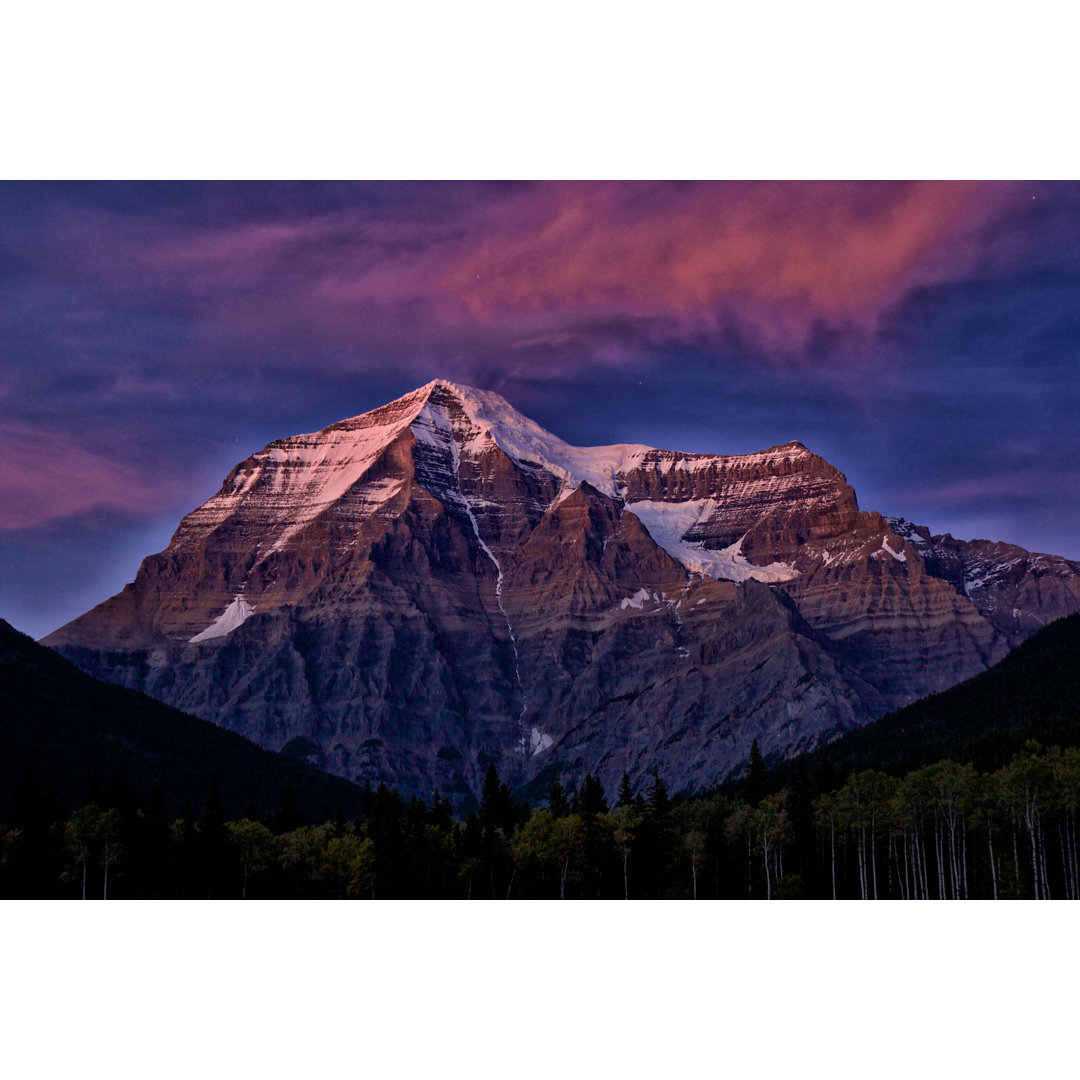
(873, 852)
(963, 854)
(990, 844)
(1034, 849)
(768, 880)
(905, 881)
(1016, 860)
(1042, 862)
(922, 864)
(832, 847)
(1071, 833)
(862, 863)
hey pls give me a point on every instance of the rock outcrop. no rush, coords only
(440, 584)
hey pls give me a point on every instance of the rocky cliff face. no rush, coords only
(1018, 591)
(440, 583)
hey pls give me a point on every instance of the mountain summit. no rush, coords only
(440, 584)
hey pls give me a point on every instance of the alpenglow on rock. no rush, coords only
(440, 584)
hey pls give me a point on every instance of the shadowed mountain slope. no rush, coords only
(1034, 693)
(66, 725)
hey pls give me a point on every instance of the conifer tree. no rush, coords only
(496, 805)
(657, 838)
(659, 803)
(592, 801)
(490, 801)
(506, 810)
(441, 813)
(558, 803)
(289, 816)
(626, 792)
(756, 777)
(385, 828)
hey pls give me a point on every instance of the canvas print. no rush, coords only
(554, 540)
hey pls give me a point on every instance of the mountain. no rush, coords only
(441, 584)
(64, 725)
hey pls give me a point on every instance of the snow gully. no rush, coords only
(455, 453)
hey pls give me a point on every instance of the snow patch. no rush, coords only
(899, 556)
(637, 600)
(668, 523)
(239, 611)
(539, 741)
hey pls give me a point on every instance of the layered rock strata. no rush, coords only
(440, 584)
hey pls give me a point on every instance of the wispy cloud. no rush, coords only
(1004, 487)
(809, 251)
(770, 262)
(55, 475)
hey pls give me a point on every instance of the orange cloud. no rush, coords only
(829, 250)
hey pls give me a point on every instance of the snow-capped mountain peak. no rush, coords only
(522, 439)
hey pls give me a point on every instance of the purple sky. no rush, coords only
(924, 338)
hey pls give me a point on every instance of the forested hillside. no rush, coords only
(64, 734)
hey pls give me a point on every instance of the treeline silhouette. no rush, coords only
(943, 831)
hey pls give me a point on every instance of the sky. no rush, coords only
(924, 337)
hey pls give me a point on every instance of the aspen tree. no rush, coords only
(825, 818)
(626, 818)
(771, 825)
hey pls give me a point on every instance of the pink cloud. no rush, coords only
(48, 476)
(772, 259)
